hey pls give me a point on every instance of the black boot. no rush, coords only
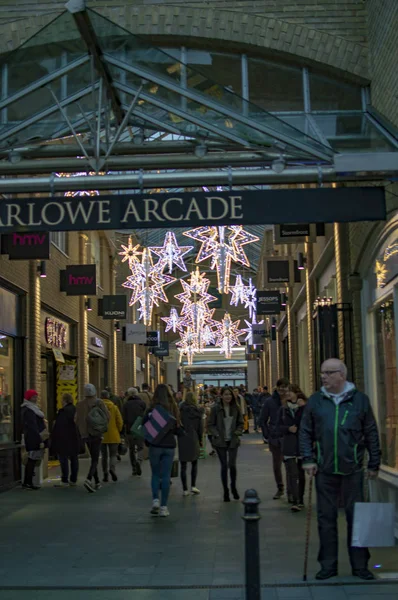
(235, 492)
(226, 495)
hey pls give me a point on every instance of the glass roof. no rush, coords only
(91, 81)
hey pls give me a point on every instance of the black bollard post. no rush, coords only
(251, 518)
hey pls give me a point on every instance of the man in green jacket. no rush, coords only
(338, 422)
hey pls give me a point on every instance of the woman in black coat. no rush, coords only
(190, 443)
(35, 435)
(65, 441)
(289, 424)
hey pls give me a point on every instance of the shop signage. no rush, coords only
(113, 307)
(152, 338)
(268, 303)
(55, 333)
(190, 209)
(258, 334)
(294, 233)
(59, 357)
(25, 246)
(134, 333)
(278, 271)
(162, 349)
(79, 280)
(97, 342)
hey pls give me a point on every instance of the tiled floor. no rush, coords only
(67, 537)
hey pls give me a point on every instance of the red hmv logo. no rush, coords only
(28, 239)
(80, 280)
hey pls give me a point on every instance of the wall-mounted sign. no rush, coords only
(97, 342)
(55, 333)
(278, 271)
(59, 357)
(386, 266)
(294, 233)
(152, 338)
(162, 349)
(134, 333)
(113, 307)
(79, 280)
(189, 209)
(25, 246)
(268, 303)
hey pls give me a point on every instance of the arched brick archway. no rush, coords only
(221, 29)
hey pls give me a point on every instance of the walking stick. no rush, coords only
(308, 528)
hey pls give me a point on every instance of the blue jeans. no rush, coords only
(74, 467)
(161, 460)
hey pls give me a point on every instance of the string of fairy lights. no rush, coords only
(151, 270)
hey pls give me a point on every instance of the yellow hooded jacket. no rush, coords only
(112, 436)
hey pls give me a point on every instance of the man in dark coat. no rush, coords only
(269, 420)
(65, 441)
(133, 408)
(339, 422)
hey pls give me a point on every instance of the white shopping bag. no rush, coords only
(374, 524)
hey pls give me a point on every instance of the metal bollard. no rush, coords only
(251, 517)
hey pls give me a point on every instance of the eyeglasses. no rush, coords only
(328, 373)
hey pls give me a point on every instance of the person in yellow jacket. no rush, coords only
(111, 439)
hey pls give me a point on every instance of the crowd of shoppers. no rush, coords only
(325, 436)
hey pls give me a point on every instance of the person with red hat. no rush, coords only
(35, 436)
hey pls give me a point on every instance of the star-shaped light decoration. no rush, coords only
(171, 253)
(130, 253)
(174, 322)
(228, 334)
(223, 245)
(188, 344)
(251, 299)
(238, 291)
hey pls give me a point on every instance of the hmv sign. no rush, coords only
(79, 280)
(25, 246)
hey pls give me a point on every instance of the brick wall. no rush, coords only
(383, 28)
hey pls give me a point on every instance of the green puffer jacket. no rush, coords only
(340, 433)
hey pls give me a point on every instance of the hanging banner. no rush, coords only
(258, 334)
(26, 246)
(113, 307)
(294, 233)
(192, 209)
(134, 333)
(162, 349)
(79, 280)
(152, 338)
(268, 303)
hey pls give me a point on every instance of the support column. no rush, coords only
(147, 367)
(260, 369)
(113, 337)
(292, 333)
(355, 286)
(342, 252)
(264, 364)
(34, 343)
(82, 335)
(278, 356)
(134, 350)
(310, 295)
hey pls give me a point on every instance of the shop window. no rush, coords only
(387, 382)
(59, 239)
(275, 87)
(6, 389)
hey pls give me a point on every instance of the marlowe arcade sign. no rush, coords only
(192, 209)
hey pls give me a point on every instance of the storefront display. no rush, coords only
(98, 359)
(6, 389)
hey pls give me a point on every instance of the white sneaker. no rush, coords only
(89, 486)
(195, 491)
(164, 511)
(155, 507)
(186, 493)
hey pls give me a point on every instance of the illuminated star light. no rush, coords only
(130, 253)
(228, 334)
(251, 299)
(171, 253)
(238, 291)
(174, 322)
(188, 344)
(249, 329)
(223, 245)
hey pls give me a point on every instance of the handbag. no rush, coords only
(122, 448)
(174, 469)
(159, 422)
(136, 429)
(374, 524)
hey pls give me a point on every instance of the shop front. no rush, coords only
(12, 369)
(98, 359)
(58, 363)
(380, 303)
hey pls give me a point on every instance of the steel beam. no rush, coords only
(130, 181)
(89, 37)
(313, 147)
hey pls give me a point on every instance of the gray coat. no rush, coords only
(192, 422)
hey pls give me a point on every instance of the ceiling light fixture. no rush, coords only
(278, 165)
